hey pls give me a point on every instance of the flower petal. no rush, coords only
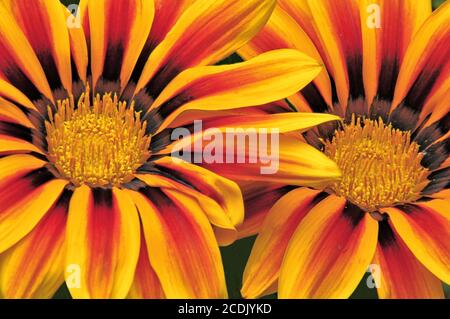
(329, 252)
(103, 241)
(258, 200)
(384, 45)
(19, 64)
(206, 32)
(166, 15)
(338, 28)
(290, 162)
(146, 284)
(425, 72)
(34, 267)
(282, 31)
(264, 264)
(182, 248)
(425, 229)
(218, 215)
(237, 85)
(10, 113)
(224, 191)
(115, 46)
(401, 274)
(13, 94)
(44, 24)
(27, 191)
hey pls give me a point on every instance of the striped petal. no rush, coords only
(16, 138)
(282, 31)
(102, 242)
(115, 46)
(424, 74)
(389, 26)
(181, 244)
(264, 264)
(338, 28)
(225, 192)
(329, 252)
(166, 15)
(19, 64)
(27, 191)
(216, 209)
(237, 85)
(207, 32)
(78, 42)
(425, 229)
(243, 120)
(10, 113)
(401, 274)
(146, 284)
(34, 267)
(44, 24)
(14, 95)
(258, 200)
(285, 160)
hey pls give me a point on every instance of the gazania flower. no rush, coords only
(391, 208)
(88, 190)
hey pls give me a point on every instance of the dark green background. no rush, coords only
(236, 255)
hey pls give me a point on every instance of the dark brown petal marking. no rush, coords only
(16, 130)
(439, 180)
(388, 78)
(386, 236)
(430, 134)
(353, 213)
(314, 98)
(436, 154)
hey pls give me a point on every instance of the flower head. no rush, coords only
(88, 189)
(387, 76)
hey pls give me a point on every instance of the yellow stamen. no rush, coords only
(380, 165)
(99, 144)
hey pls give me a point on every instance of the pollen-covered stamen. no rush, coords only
(99, 144)
(380, 165)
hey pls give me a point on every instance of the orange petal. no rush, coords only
(290, 162)
(102, 243)
(27, 191)
(258, 200)
(146, 284)
(34, 267)
(13, 94)
(282, 31)
(238, 85)
(19, 64)
(166, 15)
(44, 24)
(388, 27)
(338, 28)
(425, 229)
(181, 244)
(224, 26)
(224, 191)
(401, 275)
(425, 72)
(264, 264)
(329, 252)
(10, 113)
(115, 47)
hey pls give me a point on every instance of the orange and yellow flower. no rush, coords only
(87, 104)
(390, 85)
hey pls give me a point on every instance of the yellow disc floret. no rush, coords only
(99, 144)
(380, 165)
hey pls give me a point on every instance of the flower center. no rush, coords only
(99, 144)
(380, 165)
